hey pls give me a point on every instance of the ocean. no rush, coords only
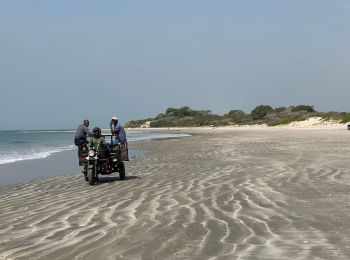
(29, 154)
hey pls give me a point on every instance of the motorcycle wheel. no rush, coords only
(121, 170)
(90, 176)
(85, 174)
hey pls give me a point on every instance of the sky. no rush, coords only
(64, 61)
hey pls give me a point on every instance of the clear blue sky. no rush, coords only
(63, 61)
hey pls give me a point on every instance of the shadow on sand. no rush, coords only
(107, 179)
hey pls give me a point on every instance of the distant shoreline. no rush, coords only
(311, 123)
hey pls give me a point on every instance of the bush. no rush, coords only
(342, 117)
(163, 123)
(260, 112)
(286, 120)
(170, 111)
(345, 118)
(280, 109)
(236, 115)
(160, 116)
(136, 123)
(182, 112)
(304, 108)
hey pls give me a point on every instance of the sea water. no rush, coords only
(32, 155)
(35, 144)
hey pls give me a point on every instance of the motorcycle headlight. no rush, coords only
(92, 153)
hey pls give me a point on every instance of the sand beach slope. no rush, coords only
(267, 193)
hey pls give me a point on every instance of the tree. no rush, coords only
(280, 109)
(304, 108)
(170, 110)
(236, 115)
(261, 111)
(183, 111)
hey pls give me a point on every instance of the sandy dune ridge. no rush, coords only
(219, 194)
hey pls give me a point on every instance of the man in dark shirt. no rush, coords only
(81, 134)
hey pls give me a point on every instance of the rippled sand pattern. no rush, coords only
(257, 194)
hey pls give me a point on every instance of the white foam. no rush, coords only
(44, 131)
(156, 136)
(15, 154)
(31, 154)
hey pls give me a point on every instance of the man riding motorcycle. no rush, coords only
(96, 140)
(101, 158)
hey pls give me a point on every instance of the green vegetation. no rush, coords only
(185, 117)
(236, 116)
(262, 114)
(261, 111)
(138, 123)
(342, 117)
(303, 108)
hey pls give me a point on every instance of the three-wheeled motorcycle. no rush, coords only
(103, 160)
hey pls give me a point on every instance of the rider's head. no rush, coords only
(96, 132)
(115, 120)
(86, 123)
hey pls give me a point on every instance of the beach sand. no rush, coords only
(228, 193)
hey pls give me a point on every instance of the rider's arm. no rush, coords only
(87, 132)
(90, 144)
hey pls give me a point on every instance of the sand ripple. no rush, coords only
(241, 195)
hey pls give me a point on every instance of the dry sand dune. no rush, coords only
(219, 194)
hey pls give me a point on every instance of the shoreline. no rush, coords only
(17, 172)
(64, 163)
(37, 166)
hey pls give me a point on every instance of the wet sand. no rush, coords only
(272, 193)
